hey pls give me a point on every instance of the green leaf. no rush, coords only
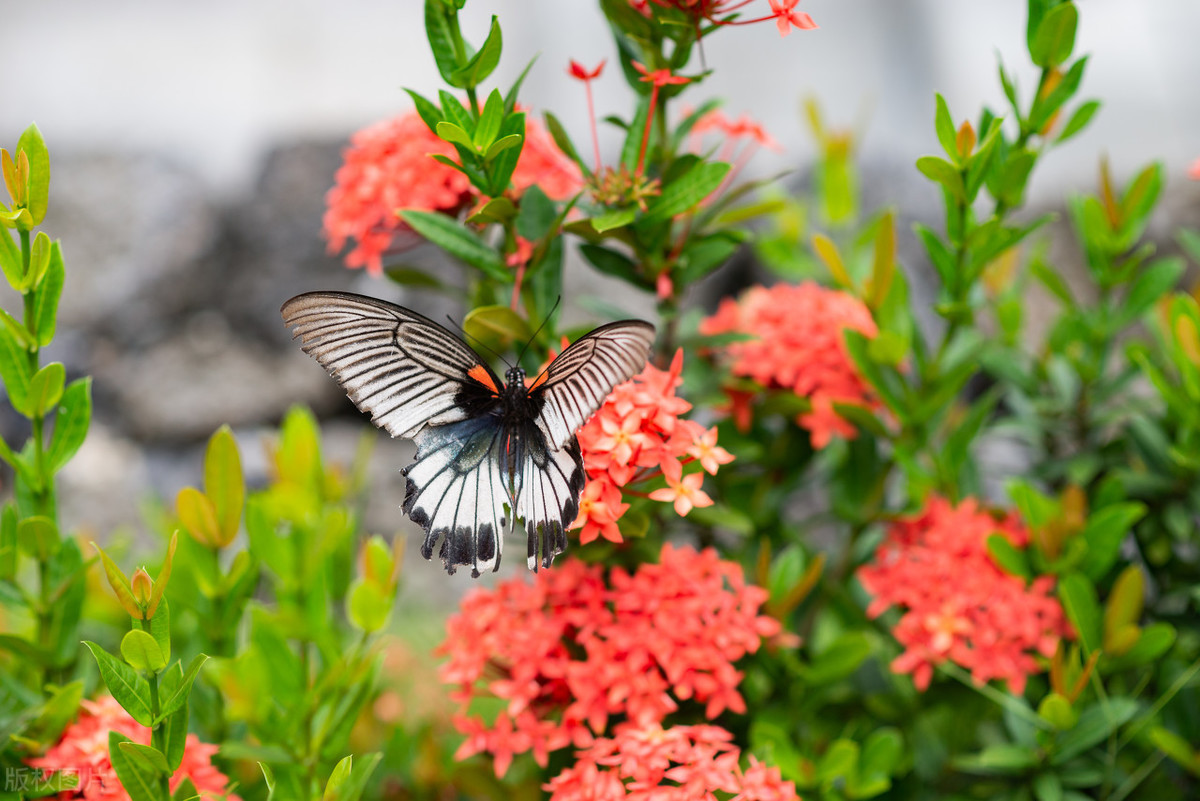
(160, 624)
(441, 25)
(496, 210)
(686, 191)
(456, 240)
(141, 652)
(998, 760)
(454, 134)
(70, 423)
(537, 214)
(347, 782)
(502, 144)
(510, 99)
(944, 124)
(39, 172)
(427, 109)
(498, 326)
(367, 607)
(15, 371)
(944, 173)
(175, 731)
(614, 218)
(179, 697)
(489, 122)
(1078, 596)
(1096, 724)
(483, 63)
(1079, 120)
(18, 331)
(501, 166)
(10, 260)
(1055, 37)
(610, 262)
(45, 299)
(39, 260)
(559, 134)
(131, 690)
(1106, 529)
(1054, 282)
(46, 388)
(38, 537)
(941, 256)
(1152, 282)
(839, 660)
(268, 779)
(884, 381)
(139, 779)
(186, 791)
(223, 481)
(1008, 557)
(151, 758)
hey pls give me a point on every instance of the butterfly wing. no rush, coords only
(456, 490)
(565, 395)
(575, 384)
(400, 367)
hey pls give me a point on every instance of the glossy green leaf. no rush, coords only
(1008, 557)
(450, 236)
(1055, 37)
(39, 260)
(1096, 723)
(15, 370)
(17, 330)
(559, 134)
(537, 214)
(686, 191)
(999, 760)
(490, 120)
(441, 27)
(223, 482)
(944, 125)
(453, 134)
(46, 389)
(348, 780)
(483, 63)
(38, 537)
(498, 326)
(175, 731)
(367, 607)
(172, 702)
(1079, 120)
(1104, 532)
(610, 262)
(1078, 596)
(47, 295)
(839, 660)
(944, 173)
(496, 210)
(10, 260)
(70, 423)
(614, 218)
(131, 690)
(141, 652)
(1153, 282)
(501, 145)
(34, 147)
(426, 109)
(151, 759)
(137, 778)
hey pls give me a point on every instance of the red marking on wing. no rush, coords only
(481, 374)
(541, 379)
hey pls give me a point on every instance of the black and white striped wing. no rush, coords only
(548, 495)
(456, 491)
(575, 384)
(403, 369)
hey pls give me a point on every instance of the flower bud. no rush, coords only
(142, 586)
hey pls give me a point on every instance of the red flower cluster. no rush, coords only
(576, 647)
(389, 166)
(958, 605)
(638, 435)
(682, 763)
(799, 347)
(83, 751)
(723, 12)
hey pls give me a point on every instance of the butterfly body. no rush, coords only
(489, 453)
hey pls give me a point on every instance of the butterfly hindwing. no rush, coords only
(456, 491)
(548, 495)
(575, 384)
(403, 369)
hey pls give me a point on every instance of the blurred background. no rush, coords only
(192, 145)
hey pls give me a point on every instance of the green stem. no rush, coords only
(460, 57)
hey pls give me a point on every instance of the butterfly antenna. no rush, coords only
(545, 320)
(477, 341)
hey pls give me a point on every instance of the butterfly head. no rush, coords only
(515, 377)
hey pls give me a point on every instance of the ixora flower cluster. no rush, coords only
(579, 646)
(390, 166)
(797, 345)
(639, 435)
(958, 605)
(83, 751)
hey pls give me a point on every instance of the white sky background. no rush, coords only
(215, 84)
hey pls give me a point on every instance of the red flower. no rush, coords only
(958, 605)
(660, 77)
(578, 646)
(577, 70)
(83, 751)
(389, 166)
(799, 347)
(681, 763)
(785, 17)
(637, 436)
(1194, 170)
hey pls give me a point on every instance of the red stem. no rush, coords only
(592, 117)
(649, 120)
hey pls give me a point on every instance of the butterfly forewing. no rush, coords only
(403, 369)
(488, 455)
(575, 384)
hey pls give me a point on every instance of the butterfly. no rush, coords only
(488, 451)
